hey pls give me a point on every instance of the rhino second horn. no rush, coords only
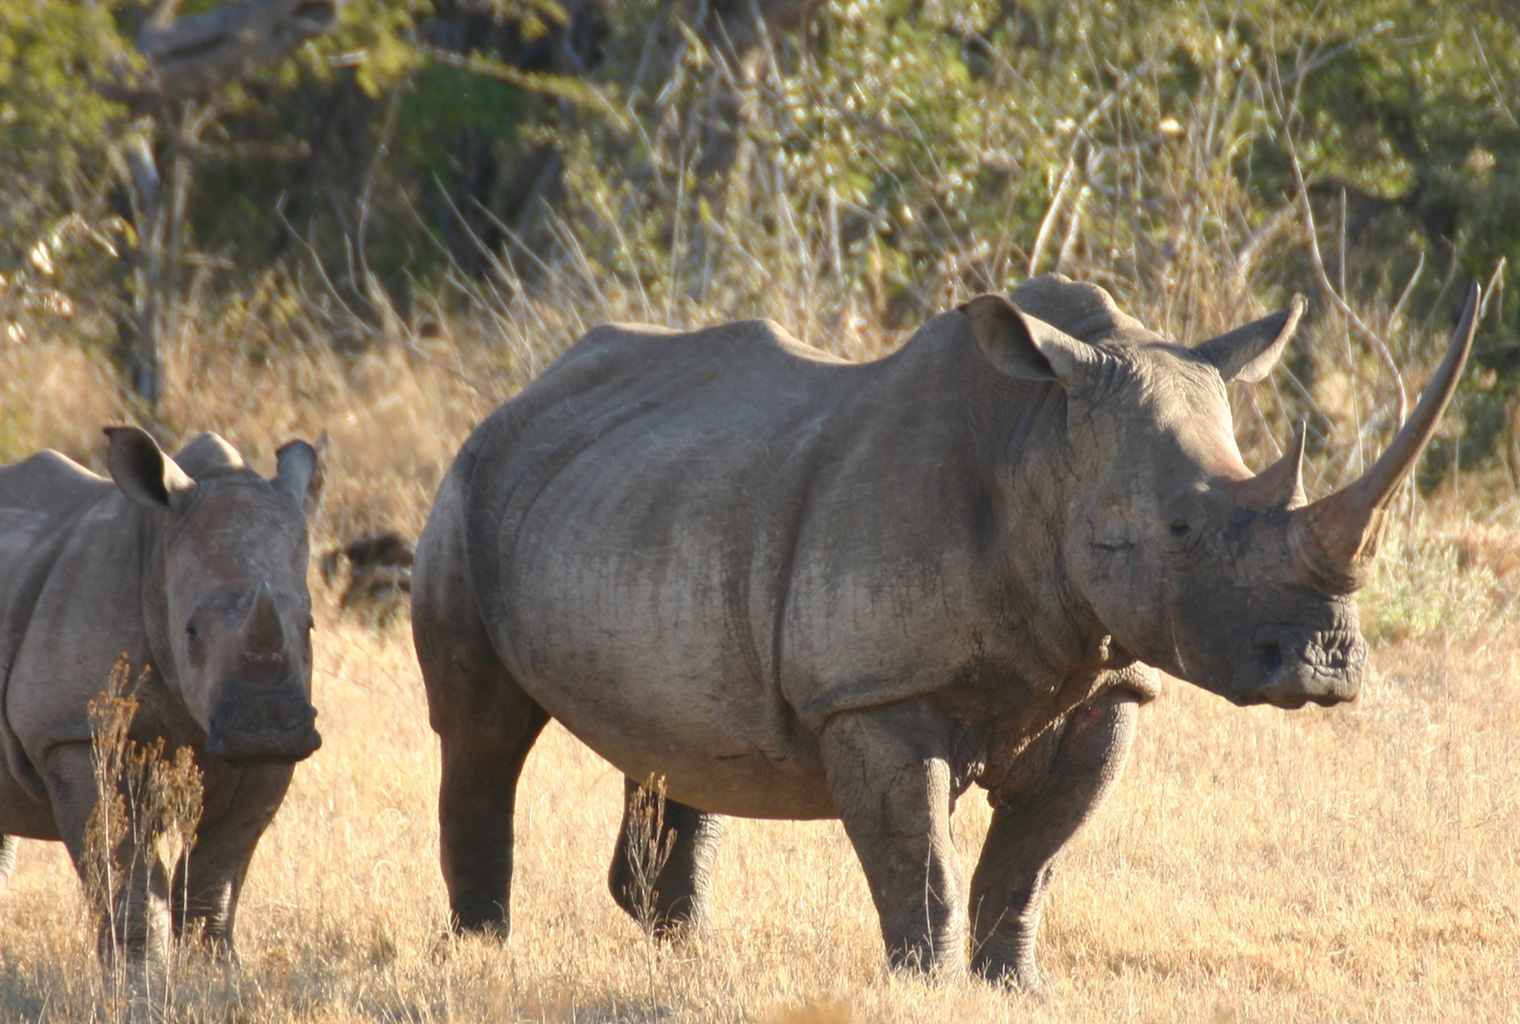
(1335, 539)
(263, 632)
(1281, 485)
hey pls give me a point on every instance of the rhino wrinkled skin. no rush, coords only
(193, 569)
(798, 587)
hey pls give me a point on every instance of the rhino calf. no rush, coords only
(193, 568)
(798, 587)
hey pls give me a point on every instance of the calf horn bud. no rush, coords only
(263, 632)
(1335, 539)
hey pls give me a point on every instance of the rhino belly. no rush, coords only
(673, 698)
(637, 631)
(714, 772)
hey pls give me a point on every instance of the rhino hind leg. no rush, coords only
(7, 860)
(678, 898)
(486, 723)
(1063, 777)
(889, 774)
(486, 726)
(476, 799)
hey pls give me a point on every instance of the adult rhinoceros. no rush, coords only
(194, 569)
(803, 588)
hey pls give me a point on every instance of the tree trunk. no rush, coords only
(184, 62)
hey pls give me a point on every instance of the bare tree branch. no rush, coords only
(190, 58)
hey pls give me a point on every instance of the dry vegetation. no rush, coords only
(1354, 864)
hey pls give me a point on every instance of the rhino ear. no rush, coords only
(299, 476)
(143, 472)
(1248, 353)
(1026, 347)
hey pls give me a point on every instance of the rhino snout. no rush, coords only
(264, 729)
(1288, 668)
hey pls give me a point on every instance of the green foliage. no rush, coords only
(890, 155)
(1424, 589)
(910, 152)
(54, 127)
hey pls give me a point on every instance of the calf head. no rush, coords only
(231, 548)
(1191, 562)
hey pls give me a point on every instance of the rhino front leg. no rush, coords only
(1060, 779)
(208, 884)
(132, 898)
(7, 860)
(889, 774)
(680, 896)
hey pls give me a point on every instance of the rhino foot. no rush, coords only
(676, 901)
(1025, 978)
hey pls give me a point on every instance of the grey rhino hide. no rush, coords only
(796, 588)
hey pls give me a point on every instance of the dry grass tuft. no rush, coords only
(139, 835)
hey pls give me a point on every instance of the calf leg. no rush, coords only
(207, 884)
(7, 860)
(132, 897)
(1063, 777)
(889, 774)
(680, 894)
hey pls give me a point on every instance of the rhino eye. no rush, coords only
(190, 632)
(1179, 528)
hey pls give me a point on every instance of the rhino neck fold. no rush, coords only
(1072, 642)
(1021, 456)
(155, 599)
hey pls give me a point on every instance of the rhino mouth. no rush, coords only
(264, 732)
(1289, 668)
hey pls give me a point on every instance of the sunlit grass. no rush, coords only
(1346, 864)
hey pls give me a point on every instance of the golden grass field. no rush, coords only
(1354, 864)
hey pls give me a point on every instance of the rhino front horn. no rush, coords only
(263, 632)
(1335, 539)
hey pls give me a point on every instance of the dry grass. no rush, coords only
(1355, 864)
(1358, 864)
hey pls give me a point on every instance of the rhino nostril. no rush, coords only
(1271, 657)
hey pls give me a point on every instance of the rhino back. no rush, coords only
(41, 500)
(39, 497)
(678, 542)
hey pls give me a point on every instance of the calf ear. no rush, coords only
(1248, 353)
(143, 472)
(1027, 347)
(299, 476)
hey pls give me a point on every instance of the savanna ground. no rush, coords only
(1353, 864)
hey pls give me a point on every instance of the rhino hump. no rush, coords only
(1082, 310)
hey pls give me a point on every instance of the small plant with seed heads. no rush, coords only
(139, 835)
